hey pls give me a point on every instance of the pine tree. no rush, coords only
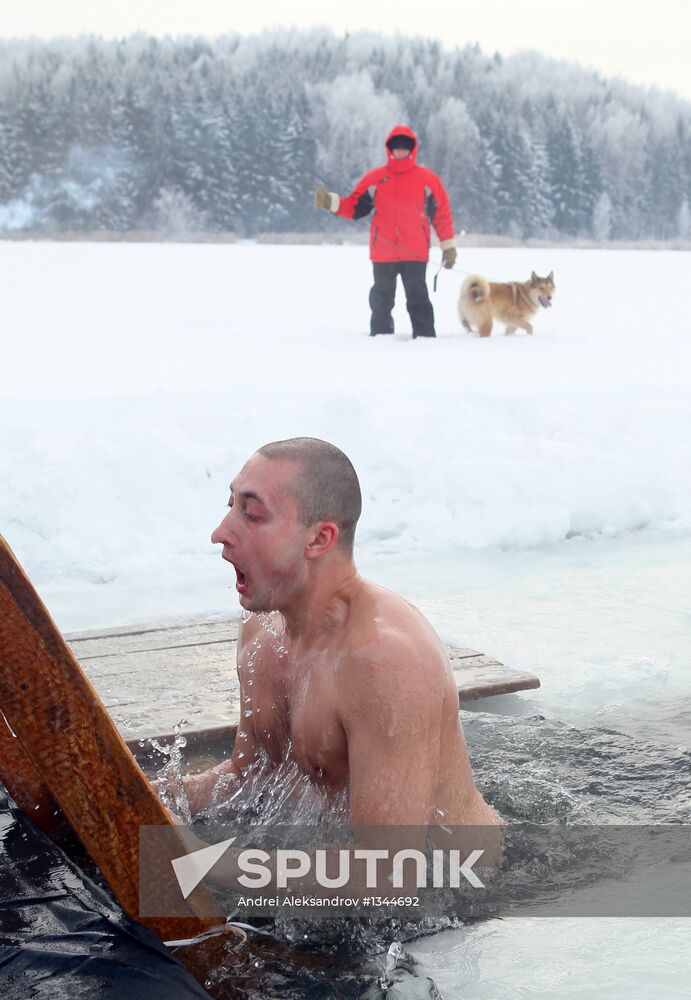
(567, 173)
(460, 155)
(602, 218)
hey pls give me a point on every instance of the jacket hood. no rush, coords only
(409, 161)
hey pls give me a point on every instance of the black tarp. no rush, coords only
(63, 936)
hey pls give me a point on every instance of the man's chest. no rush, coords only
(400, 191)
(295, 710)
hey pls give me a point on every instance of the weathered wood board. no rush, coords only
(60, 746)
(151, 677)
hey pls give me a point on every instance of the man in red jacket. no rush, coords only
(406, 198)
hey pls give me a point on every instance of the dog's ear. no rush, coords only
(550, 277)
(534, 279)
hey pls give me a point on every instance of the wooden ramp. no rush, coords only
(151, 677)
(61, 754)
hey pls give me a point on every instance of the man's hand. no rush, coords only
(322, 199)
(449, 257)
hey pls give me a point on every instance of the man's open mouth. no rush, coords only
(241, 582)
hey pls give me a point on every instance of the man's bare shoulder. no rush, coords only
(395, 669)
(376, 610)
(384, 628)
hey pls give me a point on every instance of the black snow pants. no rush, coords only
(383, 293)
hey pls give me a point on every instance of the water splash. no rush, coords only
(267, 621)
(170, 777)
(273, 793)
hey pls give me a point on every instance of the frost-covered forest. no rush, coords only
(232, 135)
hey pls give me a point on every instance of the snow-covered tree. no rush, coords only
(602, 218)
(460, 155)
(176, 213)
(245, 127)
(350, 123)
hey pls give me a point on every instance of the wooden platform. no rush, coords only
(152, 677)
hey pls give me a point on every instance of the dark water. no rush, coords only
(533, 770)
(546, 772)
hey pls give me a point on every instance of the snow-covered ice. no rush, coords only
(532, 494)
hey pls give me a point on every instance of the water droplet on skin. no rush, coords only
(247, 713)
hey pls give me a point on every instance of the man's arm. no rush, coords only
(201, 789)
(359, 202)
(392, 718)
(442, 219)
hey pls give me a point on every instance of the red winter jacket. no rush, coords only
(405, 198)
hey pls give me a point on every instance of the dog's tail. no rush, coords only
(475, 288)
(475, 305)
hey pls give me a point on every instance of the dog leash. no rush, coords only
(421, 260)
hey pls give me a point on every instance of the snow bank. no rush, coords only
(139, 378)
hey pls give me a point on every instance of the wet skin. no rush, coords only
(355, 684)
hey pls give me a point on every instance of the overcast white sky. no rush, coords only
(644, 41)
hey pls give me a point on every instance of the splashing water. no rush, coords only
(273, 793)
(267, 622)
(531, 769)
(171, 786)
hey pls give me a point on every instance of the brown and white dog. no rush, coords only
(513, 303)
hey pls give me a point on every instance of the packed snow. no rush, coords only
(532, 494)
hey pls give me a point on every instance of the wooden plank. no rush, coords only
(478, 676)
(107, 643)
(152, 676)
(489, 680)
(25, 784)
(66, 741)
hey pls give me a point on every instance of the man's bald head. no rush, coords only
(326, 488)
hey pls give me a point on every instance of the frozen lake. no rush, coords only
(532, 495)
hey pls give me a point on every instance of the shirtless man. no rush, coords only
(359, 689)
